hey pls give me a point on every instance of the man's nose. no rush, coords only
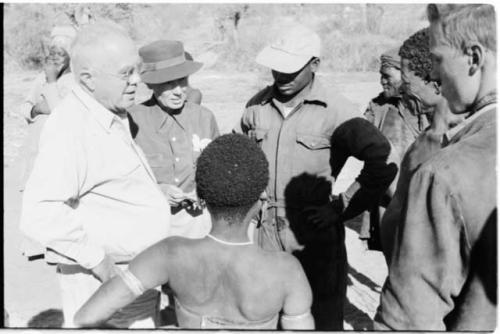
(282, 77)
(177, 90)
(135, 78)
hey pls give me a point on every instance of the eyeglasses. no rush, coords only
(125, 73)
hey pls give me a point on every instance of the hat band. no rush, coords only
(163, 64)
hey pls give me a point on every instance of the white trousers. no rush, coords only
(78, 285)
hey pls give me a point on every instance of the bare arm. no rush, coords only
(297, 306)
(148, 270)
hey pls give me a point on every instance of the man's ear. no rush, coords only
(87, 79)
(315, 64)
(476, 54)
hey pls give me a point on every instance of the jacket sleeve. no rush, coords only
(33, 97)
(245, 123)
(427, 268)
(50, 201)
(214, 128)
(369, 114)
(360, 139)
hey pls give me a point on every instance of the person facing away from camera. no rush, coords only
(304, 125)
(443, 268)
(224, 280)
(92, 200)
(173, 132)
(400, 118)
(416, 70)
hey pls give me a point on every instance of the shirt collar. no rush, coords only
(453, 131)
(181, 118)
(98, 111)
(317, 94)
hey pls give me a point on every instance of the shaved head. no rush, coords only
(97, 45)
(104, 61)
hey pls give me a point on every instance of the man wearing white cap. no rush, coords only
(303, 126)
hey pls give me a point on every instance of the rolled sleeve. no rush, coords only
(427, 269)
(49, 213)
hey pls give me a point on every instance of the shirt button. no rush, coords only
(177, 159)
(174, 139)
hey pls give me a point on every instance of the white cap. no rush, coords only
(291, 51)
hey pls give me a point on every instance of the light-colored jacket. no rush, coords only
(91, 191)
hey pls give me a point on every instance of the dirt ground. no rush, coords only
(31, 287)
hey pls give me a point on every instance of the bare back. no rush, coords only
(237, 282)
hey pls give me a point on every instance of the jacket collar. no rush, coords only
(97, 110)
(480, 117)
(316, 95)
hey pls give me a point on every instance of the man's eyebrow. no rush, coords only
(126, 68)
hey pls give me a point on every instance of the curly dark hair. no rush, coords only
(232, 172)
(416, 50)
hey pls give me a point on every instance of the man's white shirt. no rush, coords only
(91, 191)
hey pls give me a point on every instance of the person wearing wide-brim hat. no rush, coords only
(173, 131)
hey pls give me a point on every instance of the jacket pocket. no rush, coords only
(258, 134)
(313, 142)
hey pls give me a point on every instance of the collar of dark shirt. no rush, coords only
(317, 94)
(98, 111)
(161, 115)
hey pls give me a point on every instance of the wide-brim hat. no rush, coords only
(164, 61)
(291, 51)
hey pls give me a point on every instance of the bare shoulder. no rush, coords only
(282, 262)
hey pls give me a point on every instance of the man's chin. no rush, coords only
(176, 106)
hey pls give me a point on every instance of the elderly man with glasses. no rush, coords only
(92, 200)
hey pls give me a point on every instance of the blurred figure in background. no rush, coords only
(48, 89)
(401, 123)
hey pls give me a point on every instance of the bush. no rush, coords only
(353, 35)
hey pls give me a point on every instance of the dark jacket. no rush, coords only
(440, 275)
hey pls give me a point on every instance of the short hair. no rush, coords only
(416, 50)
(93, 37)
(231, 173)
(461, 24)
